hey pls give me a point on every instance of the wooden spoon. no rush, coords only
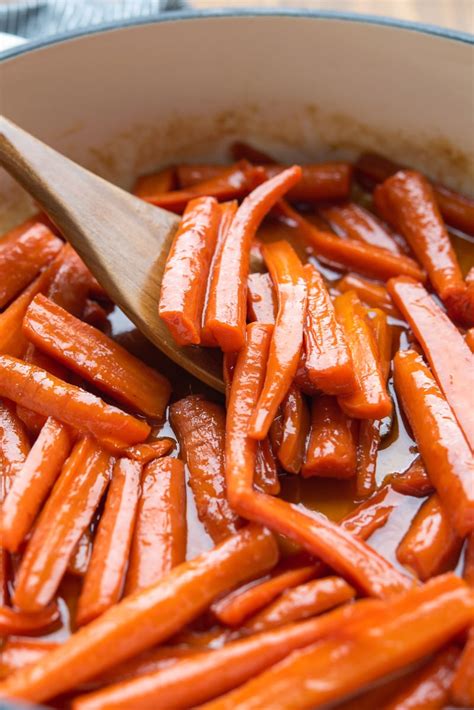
(123, 240)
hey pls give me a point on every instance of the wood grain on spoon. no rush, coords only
(123, 240)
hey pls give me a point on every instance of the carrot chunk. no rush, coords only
(355, 222)
(261, 298)
(296, 423)
(144, 453)
(183, 288)
(332, 448)
(155, 183)
(71, 283)
(14, 447)
(20, 623)
(81, 555)
(372, 513)
(462, 690)
(371, 293)
(266, 472)
(18, 653)
(412, 482)
(445, 452)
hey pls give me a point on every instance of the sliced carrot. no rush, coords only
(296, 424)
(354, 222)
(371, 293)
(79, 561)
(144, 453)
(328, 359)
(36, 389)
(14, 446)
(24, 251)
(96, 315)
(445, 452)
(373, 513)
(462, 689)
(155, 183)
(228, 323)
(228, 365)
(449, 356)
(160, 535)
(191, 174)
(105, 575)
(261, 298)
(146, 618)
(288, 276)
(469, 339)
(71, 283)
(200, 428)
(183, 287)
(19, 623)
(266, 472)
(71, 505)
(412, 482)
(32, 483)
(331, 448)
(18, 653)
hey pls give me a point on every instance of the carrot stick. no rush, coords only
(403, 630)
(328, 358)
(4, 576)
(144, 453)
(21, 623)
(96, 315)
(301, 602)
(200, 428)
(147, 617)
(372, 514)
(462, 690)
(469, 339)
(71, 283)
(36, 389)
(191, 174)
(331, 448)
(296, 423)
(287, 339)
(81, 555)
(160, 535)
(228, 365)
(14, 447)
(24, 251)
(354, 222)
(445, 452)
(261, 298)
(19, 653)
(449, 356)
(228, 321)
(266, 473)
(155, 183)
(371, 293)
(183, 288)
(32, 483)
(72, 503)
(412, 482)
(370, 399)
(372, 261)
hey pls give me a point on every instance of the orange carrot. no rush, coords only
(144, 453)
(328, 359)
(412, 482)
(19, 653)
(371, 293)
(354, 222)
(155, 183)
(20, 623)
(445, 452)
(96, 315)
(228, 365)
(266, 473)
(191, 174)
(261, 298)
(160, 535)
(36, 389)
(32, 483)
(145, 618)
(449, 356)
(468, 571)
(71, 505)
(242, 149)
(14, 447)
(296, 423)
(373, 513)
(105, 574)
(4, 576)
(287, 339)
(71, 283)
(469, 339)
(200, 428)
(183, 287)
(331, 448)
(79, 561)
(462, 689)
(228, 322)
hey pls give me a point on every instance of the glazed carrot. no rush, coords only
(72, 503)
(228, 365)
(200, 428)
(20, 623)
(71, 283)
(266, 473)
(147, 617)
(468, 571)
(287, 339)
(261, 303)
(228, 323)
(95, 357)
(412, 482)
(105, 574)
(296, 423)
(81, 555)
(160, 535)
(24, 251)
(96, 315)
(403, 630)
(331, 448)
(36, 389)
(14, 446)
(462, 689)
(370, 399)
(301, 602)
(32, 483)
(155, 183)
(449, 356)
(371, 293)
(4, 576)
(183, 288)
(445, 452)
(354, 222)
(191, 174)
(242, 149)
(469, 339)
(373, 513)
(144, 453)
(349, 254)
(430, 545)
(19, 653)
(328, 359)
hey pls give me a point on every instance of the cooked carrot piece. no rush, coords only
(469, 339)
(105, 574)
(81, 555)
(354, 222)
(190, 174)
(468, 571)
(32, 483)
(95, 357)
(36, 389)
(412, 482)
(228, 365)
(72, 503)
(328, 359)
(449, 356)
(371, 293)
(266, 473)
(372, 514)
(403, 630)
(144, 453)
(445, 452)
(24, 251)
(331, 448)
(17, 653)
(301, 602)
(370, 399)
(228, 322)
(19, 623)
(296, 423)
(146, 618)
(155, 183)
(96, 315)
(71, 282)
(160, 535)
(4, 576)
(242, 149)
(200, 428)
(288, 276)
(261, 298)
(14, 447)
(430, 546)
(349, 254)
(183, 288)
(462, 689)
